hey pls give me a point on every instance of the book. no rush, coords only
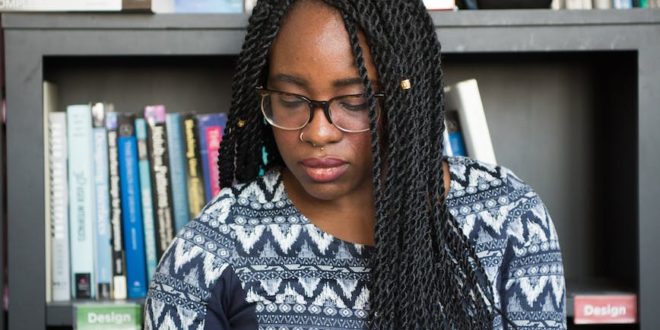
(440, 4)
(146, 196)
(118, 257)
(81, 200)
(622, 4)
(464, 97)
(248, 5)
(49, 98)
(454, 135)
(101, 177)
(208, 6)
(57, 193)
(155, 115)
(602, 4)
(578, 4)
(210, 135)
(195, 178)
(177, 170)
(136, 277)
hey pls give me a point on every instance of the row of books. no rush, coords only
(554, 4)
(605, 4)
(120, 185)
(148, 6)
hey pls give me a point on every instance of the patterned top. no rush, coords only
(252, 260)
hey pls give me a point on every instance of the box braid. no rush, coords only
(424, 272)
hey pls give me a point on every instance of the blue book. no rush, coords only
(147, 201)
(456, 143)
(131, 205)
(101, 178)
(178, 173)
(211, 127)
(82, 208)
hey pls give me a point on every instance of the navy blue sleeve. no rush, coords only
(227, 307)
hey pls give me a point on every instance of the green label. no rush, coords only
(108, 316)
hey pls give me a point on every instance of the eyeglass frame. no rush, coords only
(312, 104)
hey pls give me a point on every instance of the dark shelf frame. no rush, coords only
(29, 38)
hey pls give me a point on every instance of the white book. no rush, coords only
(464, 98)
(82, 224)
(56, 193)
(248, 5)
(574, 4)
(440, 4)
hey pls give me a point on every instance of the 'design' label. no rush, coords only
(605, 309)
(108, 316)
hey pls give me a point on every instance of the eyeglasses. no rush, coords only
(288, 111)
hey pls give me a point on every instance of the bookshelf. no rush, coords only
(569, 96)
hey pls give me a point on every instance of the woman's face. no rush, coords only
(312, 56)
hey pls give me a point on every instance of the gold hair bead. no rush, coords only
(241, 123)
(405, 84)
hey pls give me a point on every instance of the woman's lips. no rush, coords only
(324, 170)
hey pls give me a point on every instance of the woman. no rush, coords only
(358, 221)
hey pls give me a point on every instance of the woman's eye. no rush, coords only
(357, 104)
(290, 101)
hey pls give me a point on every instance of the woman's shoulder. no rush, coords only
(491, 202)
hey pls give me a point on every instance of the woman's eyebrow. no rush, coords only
(290, 79)
(301, 82)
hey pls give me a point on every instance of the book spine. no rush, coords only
(118, 258)
(196, 194)
(210, 132)
(202, 124)
(131, 205)
(81, 200)
(622, 4)
(49, 106)
(178, 170)
(214, 138)
(602, 4)
(454, 135)
(145, 193)
(162, 195)
(60, 278)
(101, 177)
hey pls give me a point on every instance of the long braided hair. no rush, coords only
(424, 272)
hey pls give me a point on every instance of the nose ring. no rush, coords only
(301, 137)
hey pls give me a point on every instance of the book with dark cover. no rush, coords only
(195, 178)
(116, 233)
(136, 272)
(155, 115)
